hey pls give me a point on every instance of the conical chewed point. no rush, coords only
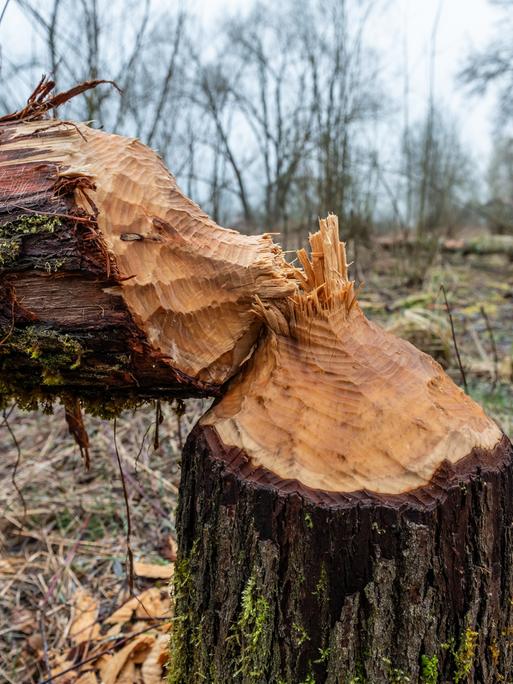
(333, 401)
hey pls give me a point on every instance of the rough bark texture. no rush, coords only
(63, 326)
(279, 583)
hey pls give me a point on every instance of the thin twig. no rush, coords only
(17, 462)
(139, 453)
(129, 553)
(158, 421)
(179, 411)
(45, 646)
(463, 377)
(494, 347)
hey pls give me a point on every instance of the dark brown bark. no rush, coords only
(279, 583)
(63, 325)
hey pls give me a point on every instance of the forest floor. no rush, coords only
(68, 531)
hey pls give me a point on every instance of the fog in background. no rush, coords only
(394, 114)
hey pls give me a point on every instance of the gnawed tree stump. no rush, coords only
(345, 510)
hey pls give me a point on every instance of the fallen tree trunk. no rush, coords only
(113, 281)
(481, 245)
(484, 245)
(345, 511)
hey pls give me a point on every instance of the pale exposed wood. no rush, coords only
(336, 402)
(327, 397)
(188, 283)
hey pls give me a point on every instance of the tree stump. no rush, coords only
(280, 583)
(345, 511)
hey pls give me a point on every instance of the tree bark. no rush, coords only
(281, 583)
(64, 328)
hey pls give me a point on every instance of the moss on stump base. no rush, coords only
(280, 583)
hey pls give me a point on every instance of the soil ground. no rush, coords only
(72, 532)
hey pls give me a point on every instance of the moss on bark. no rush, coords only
(282, 588)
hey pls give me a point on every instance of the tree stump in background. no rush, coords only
(345, 511)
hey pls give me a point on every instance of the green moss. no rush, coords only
(358, 677)
(30, 225)
(464, 656)
(251, 632)
(9, 250)
(53, 265)
(321, 588)
(112, 406)
(394, 674)
(51, 349)
(429, 669)
(299, 634)
(324, 654)
(182, 589)
(12, 234)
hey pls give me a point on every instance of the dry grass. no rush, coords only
(72, 533)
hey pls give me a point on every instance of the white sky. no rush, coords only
(464, 24)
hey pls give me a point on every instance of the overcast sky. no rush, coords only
(464, 24)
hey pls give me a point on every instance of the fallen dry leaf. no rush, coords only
(24, 621)
(8, 567)
(154, 570)
(112, 666)
(124, 613)
(168, 548)
(84, 626)
(154, 603)
(127, 674)
(152, 666)
(87, 678)
(147, 604)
